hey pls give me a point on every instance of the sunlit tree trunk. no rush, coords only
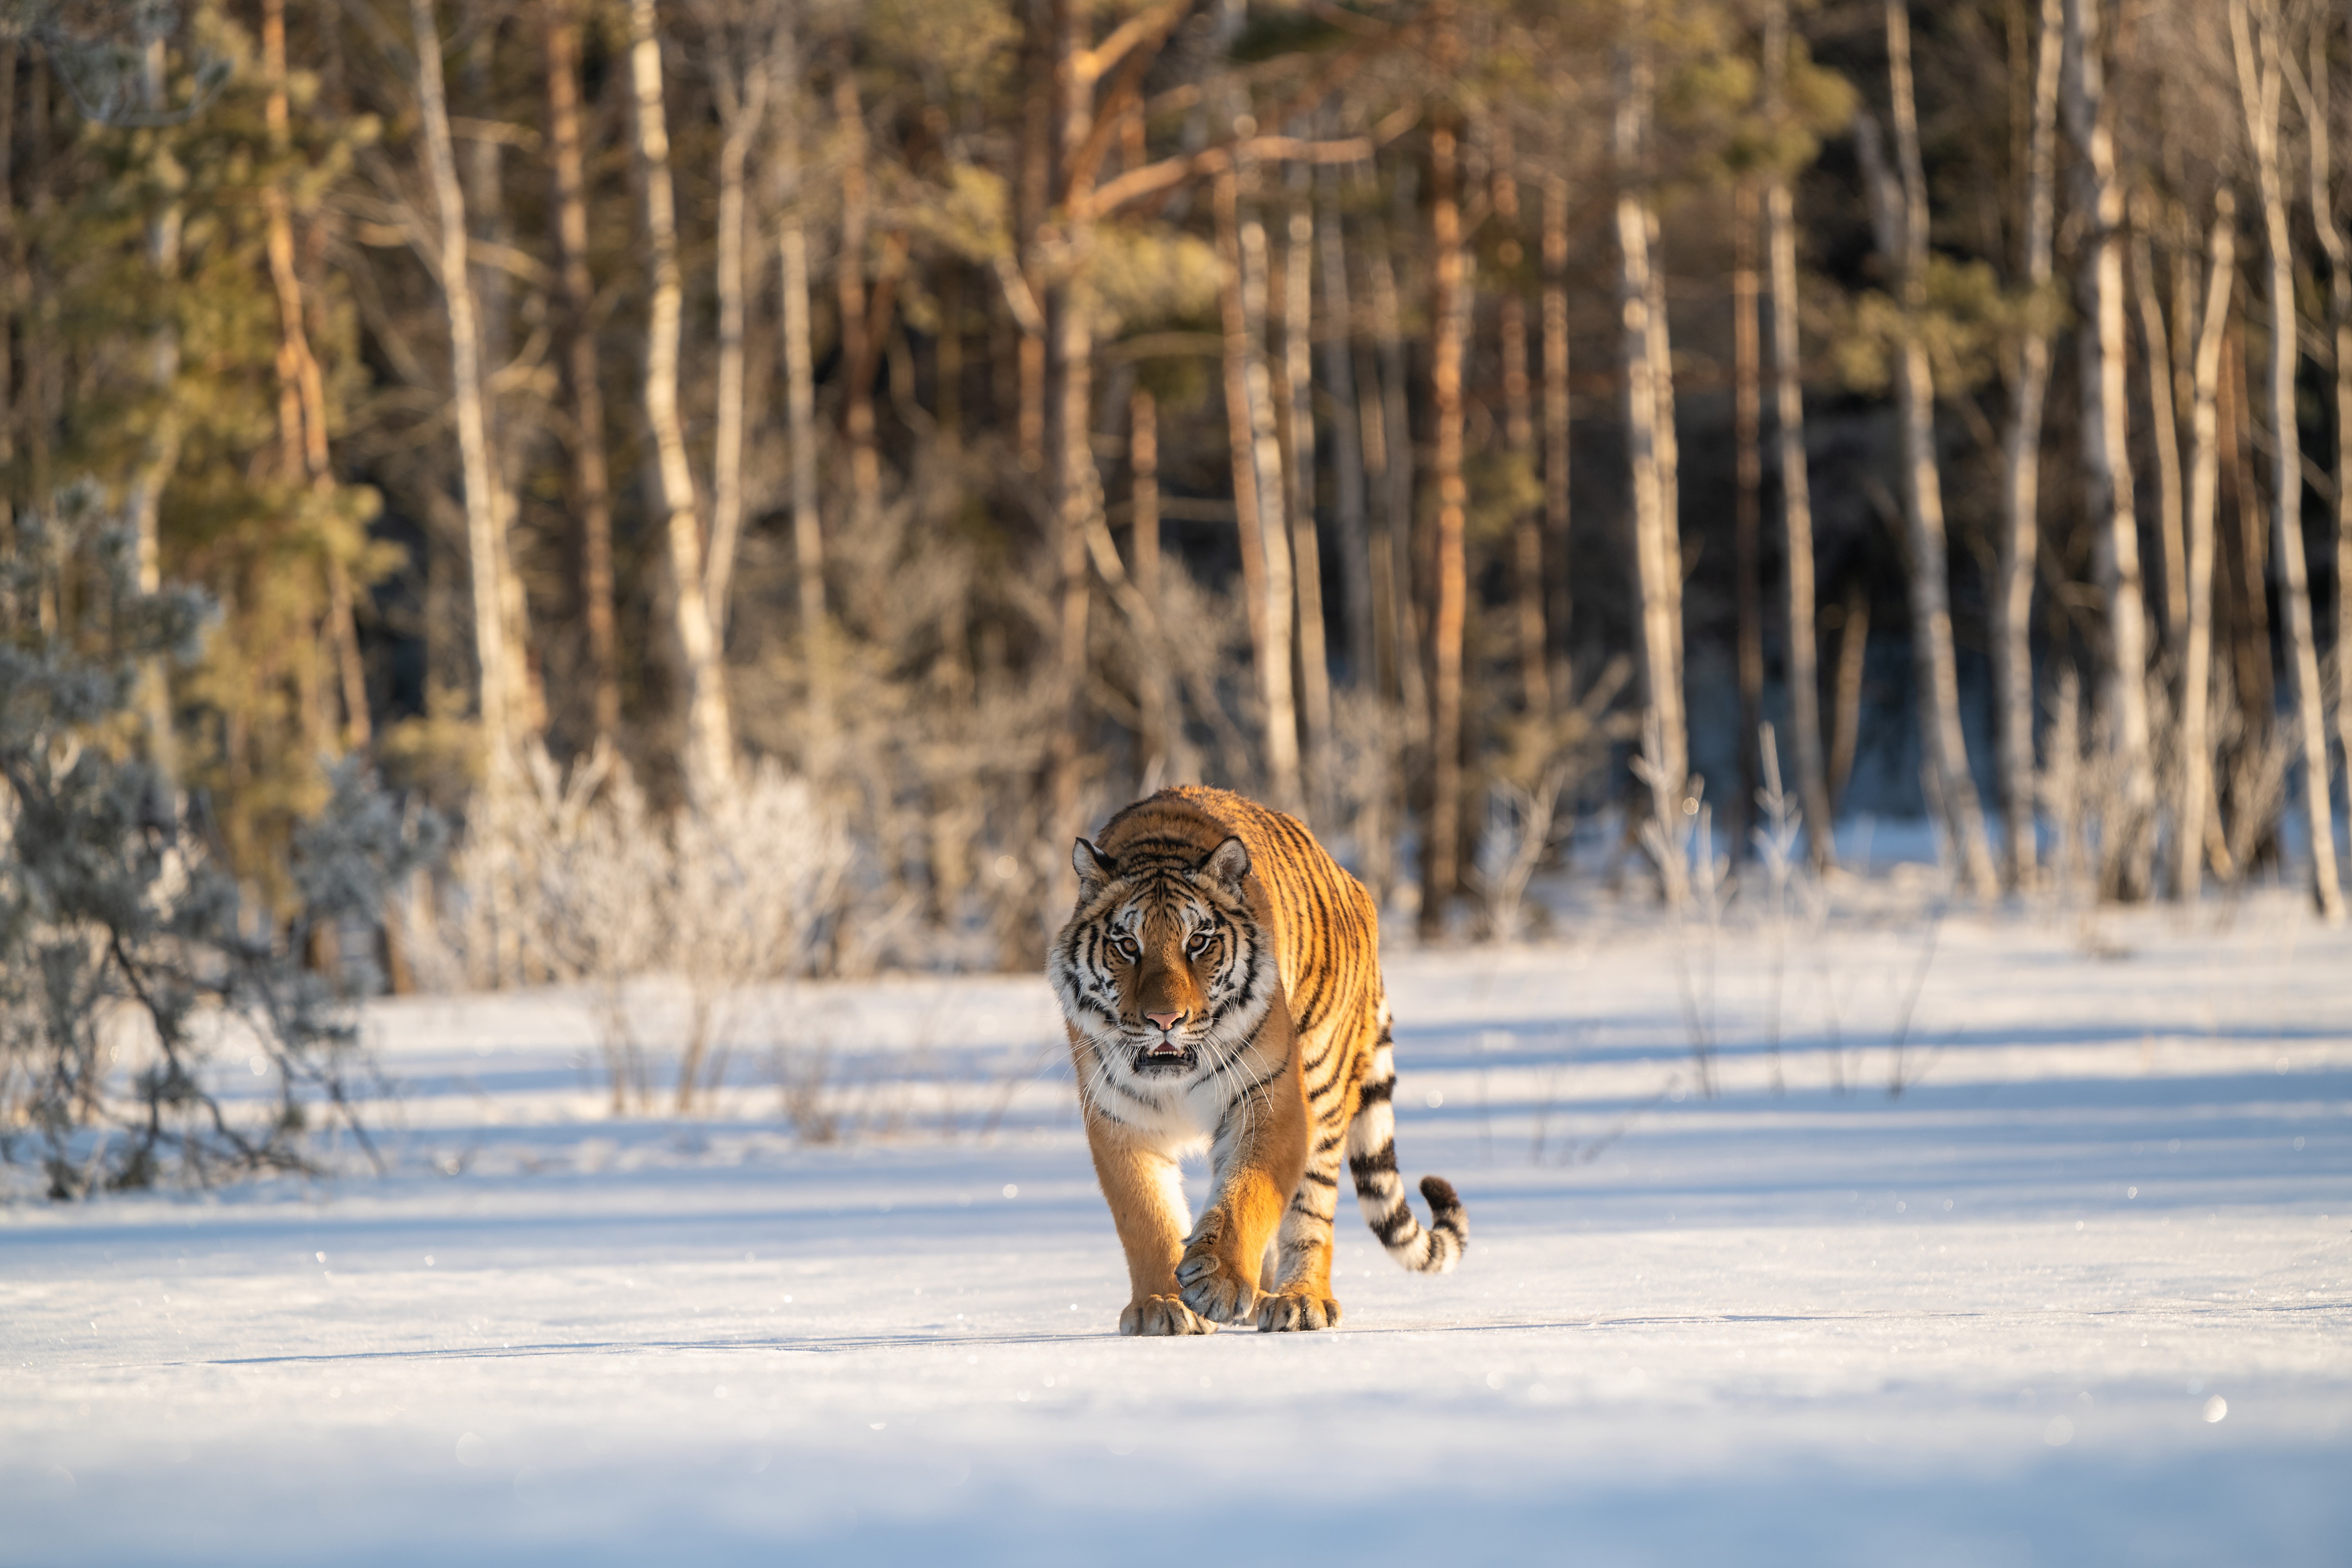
(709, 752)
(2195, 805)
(160, 452)
(1254, 433)
(2260, 77)
(1166, 758)
(591, 485)
(2106, 464)
(302, 389)
(742, 90)
(1442, 835)
(2018, 541)
(484, 515)
(1657, 553)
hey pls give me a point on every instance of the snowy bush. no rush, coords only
(575, 878)
(129, 963)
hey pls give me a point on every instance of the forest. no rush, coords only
(868, 442)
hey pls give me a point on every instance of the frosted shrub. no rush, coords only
(573, 877)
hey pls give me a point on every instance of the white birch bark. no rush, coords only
(742, 91)
(2256, 43)
(2128, 841)
(2020, 533)
(708, 756)
(483, 512)
(1656, 553)
(2195, 803)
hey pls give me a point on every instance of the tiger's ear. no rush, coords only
(1228, 863)
(1094, 868)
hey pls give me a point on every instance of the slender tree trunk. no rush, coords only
(1748, 503)
(2020, 533)
(1440, 867)
(2318, 117)
(303, 393)
(2195, 805)
(742, 88)
(1032, 195)
(858, 350)
(483, 512)
(1240, 442)
(12, 257)
(709, 752)
(2157, 346)
(1656, 552)
(486, 206)
(592, 495)
(1796, 481)
(161, 453)
(2259, 83)
(1077, 483)
(1166, 760)
(1854, 658)
(1258, 482)
(1902, 214)
(1395, 409)
(800, 377)
(1299, 389)
(1519, 435)
(1555, 396)
(2106, 464)
(1348, 470)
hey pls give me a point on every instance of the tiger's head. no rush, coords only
(1162, 964)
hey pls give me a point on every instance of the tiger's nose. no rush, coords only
(1167, 1021)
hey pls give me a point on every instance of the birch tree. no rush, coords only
(2194, 808)
(2100, 352)
(1901, 216)
(708, 752)
(2018, 541)
(2256, 47)
(1657, 550)
(484, 513)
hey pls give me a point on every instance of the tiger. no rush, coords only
(1220, 981)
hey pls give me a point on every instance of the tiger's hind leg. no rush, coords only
(1299, 1297)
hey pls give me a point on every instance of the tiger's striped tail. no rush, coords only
(1380, 1191)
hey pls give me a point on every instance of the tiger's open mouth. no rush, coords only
(1164, 1055)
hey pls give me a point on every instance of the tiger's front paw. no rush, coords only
(1158, 1315)
(1290, 1311)
(1213, 1286)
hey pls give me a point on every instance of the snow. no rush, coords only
(2079, 1295)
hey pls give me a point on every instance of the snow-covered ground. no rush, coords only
(2080, 1295)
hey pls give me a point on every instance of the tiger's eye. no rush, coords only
(1128, 945)
(1202, 940)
